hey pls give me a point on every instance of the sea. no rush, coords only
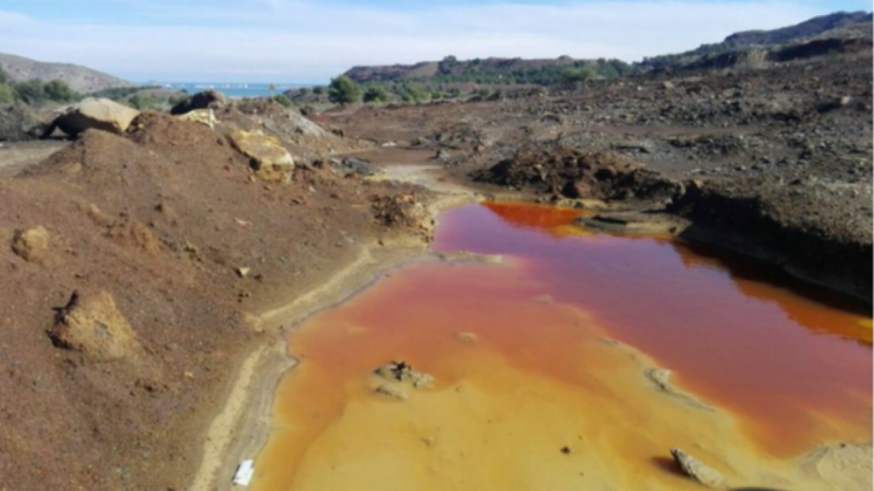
(235, 90)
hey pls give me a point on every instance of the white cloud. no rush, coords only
(276, 40)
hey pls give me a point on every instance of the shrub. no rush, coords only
(573, 75)
(318, 90)
(7, 94)
(343, 90)
(32, 92)
(414, 94)
(375, 93)
(283, 100)
(59, 91)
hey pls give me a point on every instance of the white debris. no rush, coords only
(245, 472)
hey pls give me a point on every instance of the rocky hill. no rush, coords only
(833, 33)
(808, 28)
(81, 79)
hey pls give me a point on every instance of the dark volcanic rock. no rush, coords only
(208, 99)
(805, 227)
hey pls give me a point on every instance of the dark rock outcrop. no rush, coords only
(208, 99)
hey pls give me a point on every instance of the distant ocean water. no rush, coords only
(231, 89)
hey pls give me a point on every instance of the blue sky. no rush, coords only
(312, 40)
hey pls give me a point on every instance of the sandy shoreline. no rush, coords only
(241, 427)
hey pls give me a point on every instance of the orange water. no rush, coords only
(792, 367)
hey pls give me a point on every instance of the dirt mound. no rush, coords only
(151, 226)
(572, 173)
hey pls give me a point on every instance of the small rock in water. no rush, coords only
(698, 471)
(467, 337)
(393, 391)
(403, 372)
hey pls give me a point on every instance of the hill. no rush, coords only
(81, 79)
(845, 30)
(808, 28)
(488, 70)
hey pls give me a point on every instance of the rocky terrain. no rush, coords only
(81, 79)
(137, 260)
(772, 161)
(141, 248)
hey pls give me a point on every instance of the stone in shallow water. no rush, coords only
(403, 372)
(698, 471)
(393, 391)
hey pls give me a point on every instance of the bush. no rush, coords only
(414, 94)
(573, 75)
(283, 100)
(4, 77)
(318, 90)
(32, 92)
(59, 91)
(343, 90)
(375, 93)
(7, 94)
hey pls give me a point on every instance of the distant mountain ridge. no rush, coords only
(837, 32)
(847, 31)
(81, 79)
(808, 28)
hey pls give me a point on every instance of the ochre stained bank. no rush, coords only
(546, 387)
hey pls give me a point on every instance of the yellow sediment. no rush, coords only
(539, 399)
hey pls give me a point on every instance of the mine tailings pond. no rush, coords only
(543, 367)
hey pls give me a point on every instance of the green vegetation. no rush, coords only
(283, 100)
(575, 75)
(58, 91)
(662, 61)
(120, 93)
(376, 94)
(452, 71)
(7, 94)
(343, 91)
(414, 94)
(35, 92)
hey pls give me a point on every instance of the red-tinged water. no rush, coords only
(727, 328)
(785, 369)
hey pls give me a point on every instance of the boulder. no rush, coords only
(92, 324)
(265, 151)
(208, 99)
(31, 244)
(205, 117)
(696, 469)
(18, 122)
(94, 113)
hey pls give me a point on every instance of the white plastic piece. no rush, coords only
(245, 472)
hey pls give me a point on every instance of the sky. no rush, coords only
(309, 41)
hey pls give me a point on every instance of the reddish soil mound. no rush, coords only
(154, 225)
